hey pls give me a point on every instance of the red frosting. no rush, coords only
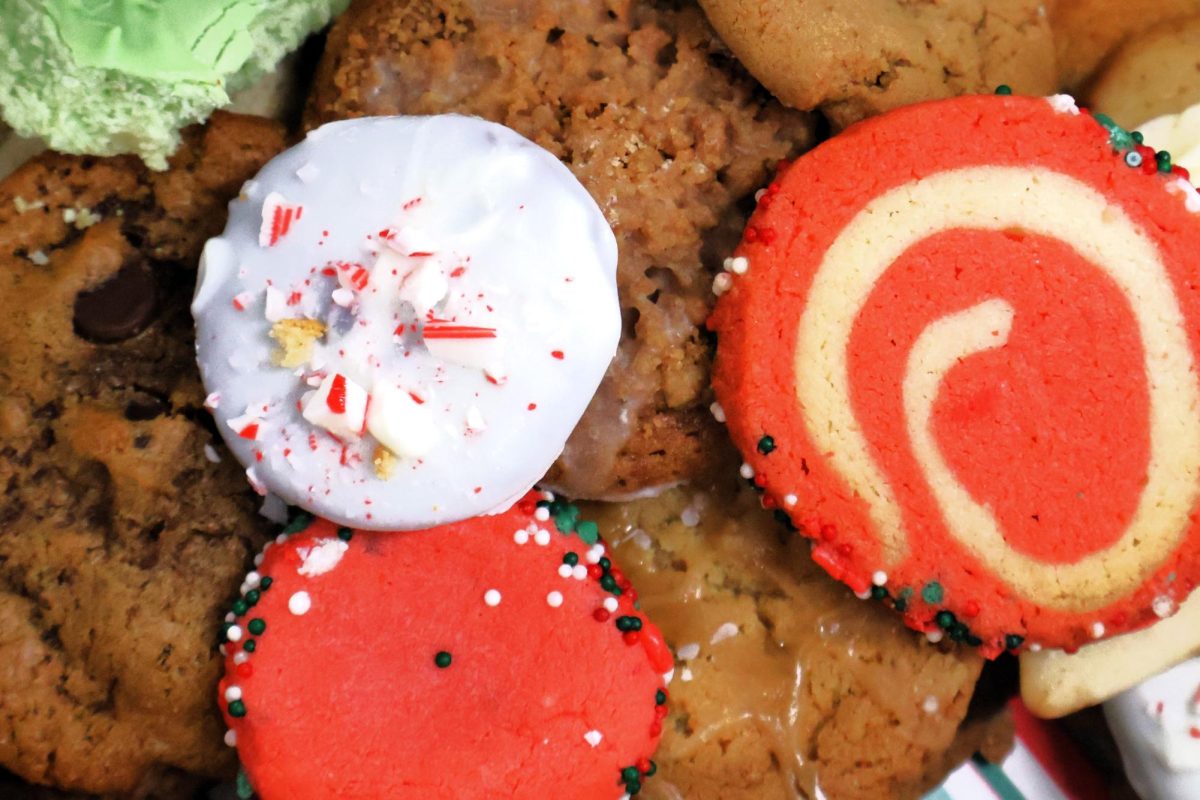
(1050, 431)
(540, 697)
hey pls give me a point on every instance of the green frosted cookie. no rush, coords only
(123, 76)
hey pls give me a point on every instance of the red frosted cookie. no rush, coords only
(497, 657)
(957, 348)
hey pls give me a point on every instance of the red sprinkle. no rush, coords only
(250, 431)
(244, 670)
(557, 354)
(631, 637)
(601, 615)
(533, 406)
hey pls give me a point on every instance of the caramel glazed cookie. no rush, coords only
(855, 58)
(662, 127)
(122, 530)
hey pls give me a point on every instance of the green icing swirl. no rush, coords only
(198, 40)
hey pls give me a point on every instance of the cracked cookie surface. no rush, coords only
(855, 58)
(784, 680)
(662, 127)
(120, 538)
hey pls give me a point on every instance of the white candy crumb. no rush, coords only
(322, 558)
(211, 454)
(593, 738)
(727, 631)
(931, 705)
(39, 258)
(718, 412)
(687, 652)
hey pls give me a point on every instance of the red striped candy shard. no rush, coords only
(960, 354)
(465, 661)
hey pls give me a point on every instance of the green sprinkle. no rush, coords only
(244, 790)
(629, 624)
(1004, 89)
(783, 519)
(442, 659)
(633, 787)
(878, 593)
(265, 583)
(571, 559)
(660, 698)
(933, 593)
(630, 774)
(973, 640)
(588, 531)
(252, 597)
(766, 445)
(299, 521)
(250, 645)
(240, 607)
(901, 604)
(1013, 641)
(608, 583)
(944, 619)
(257, 626)
(237, 709)
(345, 534)
(653, 769)
(1138, 137)
(605, 564)
(1164, 161)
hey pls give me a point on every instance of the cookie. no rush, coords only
(973, 304)
(515, 663)
(1087, 31)
(1153, 74)
(854, 58)
(119, 535)
(405, 318)
(667, 133)
(785, 681)
(124, 77)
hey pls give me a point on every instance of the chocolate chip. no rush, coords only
(143, 408)
(119, 308)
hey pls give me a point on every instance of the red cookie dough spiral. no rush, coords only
(959, 351)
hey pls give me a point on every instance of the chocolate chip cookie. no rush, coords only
(784, 680)
(123, 527)
(662, 126)
(855, 58)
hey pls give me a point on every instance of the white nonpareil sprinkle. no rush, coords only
(233, 693)
(722, 283)
(554, 599)
(211, 454)
(690, 516)
(593, 738)
(879, 578)
(739, 265)
(864, 595)
(231, 617)
(542, 537)
(491, 597)
(234, 634)
(299, 603)
(281, 538)
(322, 558)
(718, 412)
(565, 571)
(241, 658)
(258, 559)
(39, 258)
(611, 605)
(931, 705)
(1097, 630)
(231, 738)
(542, 514)
(594, 554)
(521, 536)
(727, 631)
(747, 472)
(1163, 607)
(253, 579)
(934, 636)
(685, 675)
(790, 500)
(642, 539)
(687, 652)
(1035, 648)
(579, 572)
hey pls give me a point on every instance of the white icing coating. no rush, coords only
(1157, 725)
(460, 288)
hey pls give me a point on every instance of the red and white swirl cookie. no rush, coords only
(498, 657)
(957, 347)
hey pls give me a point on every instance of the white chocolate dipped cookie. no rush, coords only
(405, 318)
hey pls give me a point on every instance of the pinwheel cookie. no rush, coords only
(957, 348)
